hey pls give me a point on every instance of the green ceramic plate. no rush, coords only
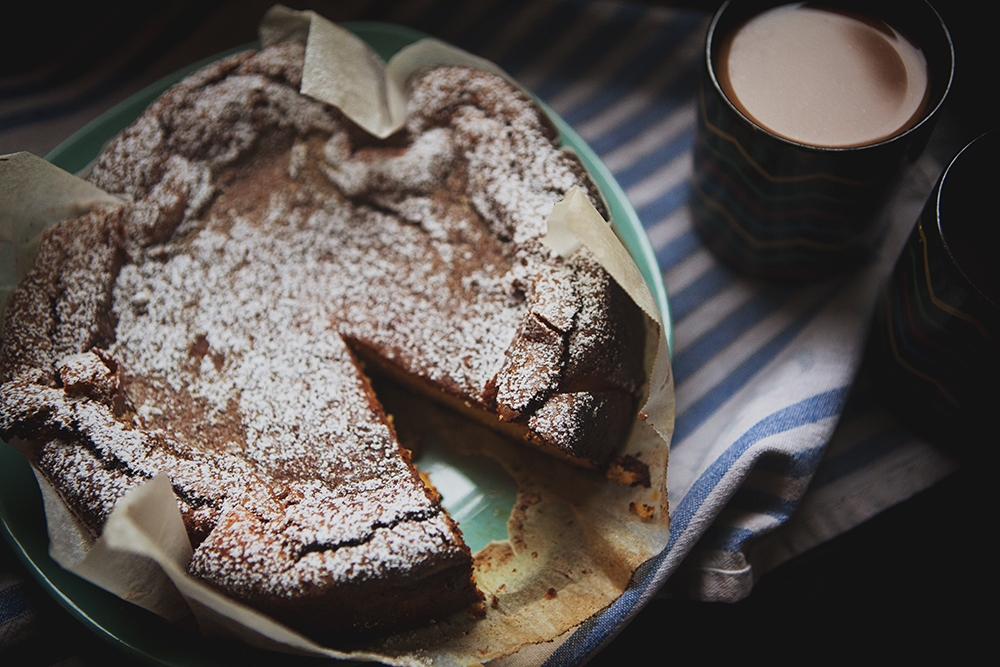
(476, 491)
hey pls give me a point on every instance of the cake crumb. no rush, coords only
(642, 510)
(628, 470)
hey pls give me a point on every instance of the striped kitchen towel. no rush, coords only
(776, 447)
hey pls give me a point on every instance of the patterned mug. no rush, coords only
(935, 342)
(778, 208)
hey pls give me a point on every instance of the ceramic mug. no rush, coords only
(778, 208)
(935, 340)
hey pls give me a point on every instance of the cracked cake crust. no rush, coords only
(209, 328)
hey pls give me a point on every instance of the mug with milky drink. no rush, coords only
(935, 342)
(807, 114)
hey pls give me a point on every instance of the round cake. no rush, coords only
(216, 328)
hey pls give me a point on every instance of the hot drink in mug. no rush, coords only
(807, 114)
(824, 77)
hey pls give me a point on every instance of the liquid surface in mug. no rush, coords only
(824, 77)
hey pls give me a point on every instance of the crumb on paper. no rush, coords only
(528, 499)
(628, 470)
(642, 510)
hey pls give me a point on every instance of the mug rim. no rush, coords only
(939, 230)
(928, 115)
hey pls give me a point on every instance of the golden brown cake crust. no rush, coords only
(208, 329)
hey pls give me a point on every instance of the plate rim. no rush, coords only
(91, 138)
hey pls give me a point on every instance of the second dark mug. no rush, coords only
(779, 209)
(935, 342)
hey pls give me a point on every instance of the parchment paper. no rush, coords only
(34, 195)
(574, 538)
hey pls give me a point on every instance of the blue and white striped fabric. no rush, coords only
(18, 618)
(759, 469)
(776, 447)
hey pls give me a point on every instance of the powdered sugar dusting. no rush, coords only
(202, 329)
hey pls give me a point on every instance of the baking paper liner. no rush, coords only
(575, 538)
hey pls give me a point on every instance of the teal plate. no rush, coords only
(476, 491)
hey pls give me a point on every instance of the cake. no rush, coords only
(217, 326)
